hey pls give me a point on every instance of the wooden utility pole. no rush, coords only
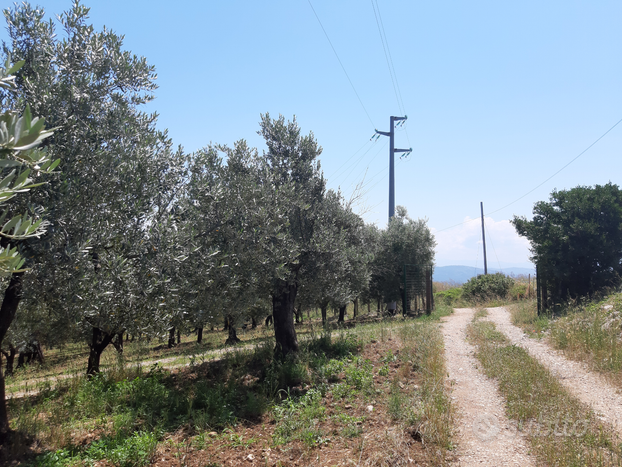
(484, 238)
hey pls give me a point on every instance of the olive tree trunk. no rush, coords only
(283, 315)
(171, 338)
(12, 297)
(233, 335)
(10, 359)
(342, 313)
(98, 344)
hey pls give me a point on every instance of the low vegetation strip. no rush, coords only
(588, 332)
(376, 396)
(562, 431)
(589, 387)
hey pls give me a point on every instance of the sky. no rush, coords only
(499, 96)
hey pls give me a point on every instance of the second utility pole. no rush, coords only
(392, 151)
(484, 239)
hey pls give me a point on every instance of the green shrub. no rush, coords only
(359, 375)
(487, 287)
(518, 291)
(449, 297)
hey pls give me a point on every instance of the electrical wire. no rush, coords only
(534, 189)
(350, 168)
(342, 67)
(491, 242)
(348, 159)
(379, 180)
(580, 154)
(389, 59)
(385, 46)
(366, 167)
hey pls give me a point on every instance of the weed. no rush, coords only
(125, 451)
(359, 375)
(330, 371)
(298, 418)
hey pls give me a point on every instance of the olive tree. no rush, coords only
(296, 188)
(100, 264)
(405, 241)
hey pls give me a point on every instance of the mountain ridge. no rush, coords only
(461, 274)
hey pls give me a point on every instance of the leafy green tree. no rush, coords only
(341, 270)
(576, 240)
(405, 241)
(105, 262)
(231, 225)
(297, 189)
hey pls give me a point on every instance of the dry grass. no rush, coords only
(592, 333)
(561, 430)
(525, 315)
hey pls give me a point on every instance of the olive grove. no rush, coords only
(129, 235)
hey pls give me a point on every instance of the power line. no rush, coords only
(389, 59)
(342, 67)
(384, 145)
(534, 189)
(492, 243)
(350, 167)
(379, 180)
(580, 154)
(348, 159)
(385, 46)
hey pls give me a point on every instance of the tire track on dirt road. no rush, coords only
(589, 387)
(484, 435)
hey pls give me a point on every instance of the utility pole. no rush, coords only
(484, 238)
(392, 151)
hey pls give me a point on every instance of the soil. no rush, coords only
(484, 437)
(590, 388)
(381, 441)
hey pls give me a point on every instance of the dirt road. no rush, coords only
(484, 435)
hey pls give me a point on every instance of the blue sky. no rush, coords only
(499, 96)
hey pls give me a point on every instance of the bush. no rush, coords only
(449, 297)
(487, 287)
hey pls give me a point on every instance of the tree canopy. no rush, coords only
(576, 240)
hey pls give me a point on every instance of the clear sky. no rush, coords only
(499, 96)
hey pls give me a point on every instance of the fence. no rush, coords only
(417, 289)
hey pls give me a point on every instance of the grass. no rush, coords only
(248, 401)
(525, 315)
(430, 413)
(562, 432)
(70, 360)
(589, 332)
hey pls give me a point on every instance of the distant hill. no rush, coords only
(461, 274)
